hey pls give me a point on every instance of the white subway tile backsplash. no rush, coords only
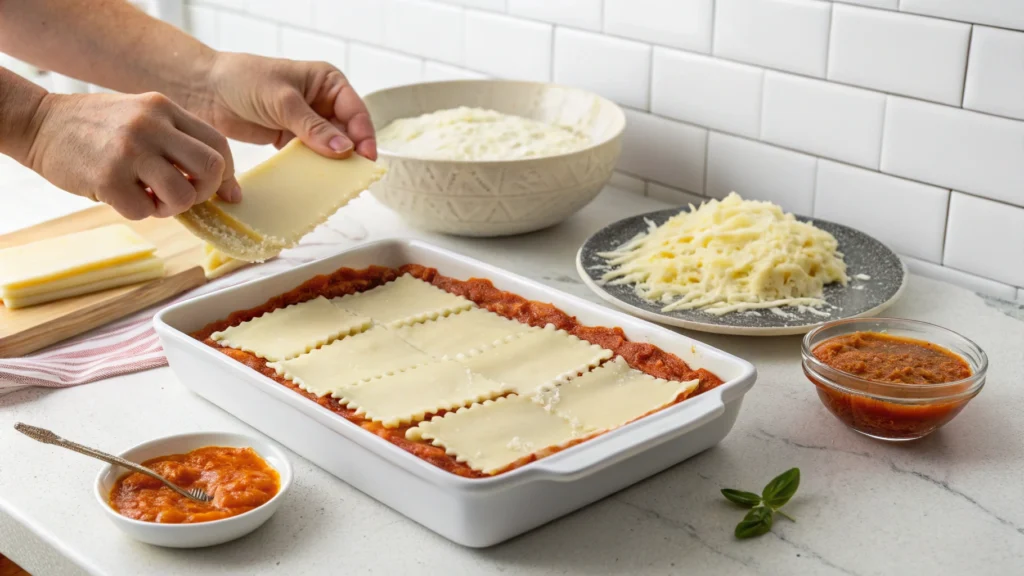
(303, 45)
(759, 171)
(371, 69)
(508, 47)
(962, 279)
(297, 13)
(614, 68)
(239, 33)
(426, 29)
(1004, 13)
(912, 223)
(955, 148)
(683, 24)
(928, 92)
(492, 5)
(624, 181)
(352, 19)
(785, 34)
(201, 22)
(822, 118)
(1020, 294)
(668, 152)
(579, 13)
(673, 196)
(233, 4)
(887, 4)
(986, 238)
(435, 71)
(900, 53)
(707, 91)
(995, 72)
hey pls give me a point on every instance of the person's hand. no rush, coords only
(130, 151)
(270, 101)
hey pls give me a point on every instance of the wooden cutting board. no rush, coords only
(26, 330)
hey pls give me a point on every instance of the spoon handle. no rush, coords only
(47, 437)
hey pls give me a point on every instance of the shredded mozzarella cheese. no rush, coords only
(728, 256)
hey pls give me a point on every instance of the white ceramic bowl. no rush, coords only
(203, 533)
(497, 198)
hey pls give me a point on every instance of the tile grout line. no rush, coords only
(828, 42)
(967, 67)
(659, 183)
(814, 193)
(707, 156)
(714, 20)
(945, 229)
(760, 111)
(885, 125)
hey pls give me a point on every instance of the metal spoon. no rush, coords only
(47, 437)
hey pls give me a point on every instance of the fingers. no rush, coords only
(313, 129)
(283, 137)
(132, 202)
(204, 166)
(350, 109)
(172, 192)
(204, 154)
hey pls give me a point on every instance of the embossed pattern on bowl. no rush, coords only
(497, 198)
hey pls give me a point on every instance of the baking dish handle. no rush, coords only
(624, 442)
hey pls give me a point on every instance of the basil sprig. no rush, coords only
(762, 508)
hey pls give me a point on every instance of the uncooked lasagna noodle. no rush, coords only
(216, 264)
(493, 435)
(371, 354)
(460, 333)
(609, 396)
(288, 332)
(283, 199)
(409, 395)
(403, 301)
(530, 360)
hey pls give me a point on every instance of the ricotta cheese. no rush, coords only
(477, 134)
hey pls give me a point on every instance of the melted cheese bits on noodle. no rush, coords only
(729, 255)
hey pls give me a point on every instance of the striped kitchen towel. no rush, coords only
(131, 344)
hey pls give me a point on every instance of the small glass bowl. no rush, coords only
(893, 411)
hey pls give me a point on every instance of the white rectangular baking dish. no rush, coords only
(471, 512)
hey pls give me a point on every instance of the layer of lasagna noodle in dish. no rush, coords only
(470, 378)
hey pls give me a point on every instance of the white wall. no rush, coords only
(904, 118)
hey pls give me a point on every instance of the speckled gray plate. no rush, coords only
(863, 255)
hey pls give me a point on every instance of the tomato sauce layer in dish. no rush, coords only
(237, 478)
(640, 356)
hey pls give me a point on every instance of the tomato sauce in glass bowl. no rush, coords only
(890, 378)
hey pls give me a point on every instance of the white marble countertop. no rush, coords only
(949, 504)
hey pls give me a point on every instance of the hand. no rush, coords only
(270, 101)
(112, 148)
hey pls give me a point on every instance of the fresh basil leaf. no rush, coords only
(745, 499)
(757, 522)
(782, 488)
